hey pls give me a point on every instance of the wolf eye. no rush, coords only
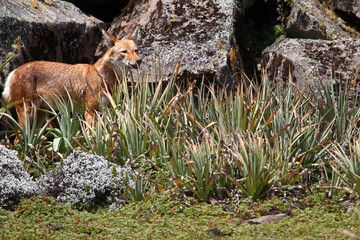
(124, 51)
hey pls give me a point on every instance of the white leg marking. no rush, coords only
(6, 92)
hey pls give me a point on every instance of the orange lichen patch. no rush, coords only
(35, 4)
(17, 43)
(221, 46)
(356, 78)
(232, 59)
(354, 84)
(49, 2)
(303, 10)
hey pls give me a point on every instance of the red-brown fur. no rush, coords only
(33, 81)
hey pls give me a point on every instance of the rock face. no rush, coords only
(46, 30)
(309, 61)
(198, 34)
(86, 180)
(308, 19)
(15, 182)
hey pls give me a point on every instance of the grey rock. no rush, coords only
(51, 30)
(198, 34)
(86, 180)
(308, 19)
(15, 182)
(266, 219)
(310, 61)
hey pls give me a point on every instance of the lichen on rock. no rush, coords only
(309, 61)
(86, 180)
(15, 182)
(308, 19)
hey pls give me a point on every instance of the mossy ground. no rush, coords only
(166, 218)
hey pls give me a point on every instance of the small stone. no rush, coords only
(266, 219)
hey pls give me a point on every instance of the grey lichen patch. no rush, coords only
(333, 57)
(86, 180)
(15, 182)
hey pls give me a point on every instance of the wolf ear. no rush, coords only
(109, 39)
(134, 35)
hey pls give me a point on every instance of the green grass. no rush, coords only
(166, 218)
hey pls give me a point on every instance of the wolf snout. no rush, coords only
(136, 64)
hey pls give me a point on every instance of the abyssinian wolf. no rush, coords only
(32, 83)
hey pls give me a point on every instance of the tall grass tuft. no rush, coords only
(346, 165)
(67, 126)
(339, 109)
(31, 143)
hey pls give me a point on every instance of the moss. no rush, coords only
(161, 217)
(265, 37)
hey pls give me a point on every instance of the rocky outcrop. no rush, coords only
(326, 48)
(46, 30)
(310, 61)
(311, 20)
(198, 34)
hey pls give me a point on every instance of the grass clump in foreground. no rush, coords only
(165, 218)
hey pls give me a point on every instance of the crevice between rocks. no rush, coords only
(105, 10)
(350, 19)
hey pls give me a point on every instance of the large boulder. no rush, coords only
(52, 30)
(198, 34)
(310, 61)
(15, 182)
(309, 19)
